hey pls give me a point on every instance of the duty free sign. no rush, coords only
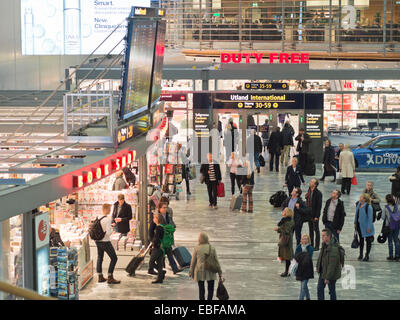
(259, 57)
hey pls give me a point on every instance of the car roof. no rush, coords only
(388, 136)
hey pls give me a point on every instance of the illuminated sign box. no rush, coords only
(266, 86)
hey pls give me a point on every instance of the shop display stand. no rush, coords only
(172, 171)
(65, 272)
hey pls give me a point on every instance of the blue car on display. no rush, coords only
(381, 152)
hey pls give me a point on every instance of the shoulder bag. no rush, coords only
(211, 264)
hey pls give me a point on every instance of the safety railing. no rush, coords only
(21, 292)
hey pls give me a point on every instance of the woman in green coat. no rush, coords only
(285, 229)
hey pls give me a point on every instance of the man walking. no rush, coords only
(314, 202)
(333, 217)
(156, 257)
(287, 143)
(265, 133)
(104, 245)
(254, 144)
(328, 265)
(303, 147)
(274, 148)
(212, 175)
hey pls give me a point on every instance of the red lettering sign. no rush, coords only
(274, 57)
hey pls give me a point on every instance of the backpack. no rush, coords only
(394, 222)
(168, 238)
(278, 198)
(95, 229)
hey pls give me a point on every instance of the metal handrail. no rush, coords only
(22, 293)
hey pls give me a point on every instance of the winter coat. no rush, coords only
(125, 214)
(365, 219)
(329, 159)
(275, 143)
(395, 180)
(292, 177)
(305, 269)
(304, 144)
(338, 219)
(328, 263)
(204, 171)
(316, 202)
(286, 226)
(198, 260)
(347, 164)
(254, 144)
(287, 135)
(300, 214)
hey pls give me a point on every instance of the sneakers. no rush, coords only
(111, 280)
(101, 278)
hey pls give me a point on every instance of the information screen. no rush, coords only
(140, 63)
(266, 86)
(73, 27)
(158, 62)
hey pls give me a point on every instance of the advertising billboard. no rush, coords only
(74, 27)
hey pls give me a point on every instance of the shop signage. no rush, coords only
(266, 86)
(173, 97)
(109, 165)
(125, 134)
(42, 230)
(314, 124)
(280, 58)
(201, 121)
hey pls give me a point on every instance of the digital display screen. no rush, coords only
(266, 86)
(137, 82)
(74, 27)
(158, 62)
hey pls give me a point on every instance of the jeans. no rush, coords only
(257, 159)
(321, 289)
(314, 228)
(393, 236)
(202, 290)
(105, 246)
(171, 260)
(212, 192)
(273, 156)
(234, 178)
(334, 232)
(304, 292)
(156, 262)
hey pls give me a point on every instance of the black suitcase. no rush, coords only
(136, 262)
(183, 256)
(278, 198)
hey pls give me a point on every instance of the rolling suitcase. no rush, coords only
(137, 261)
(183, 256)
(236, 202)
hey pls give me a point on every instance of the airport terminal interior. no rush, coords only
(113, 108)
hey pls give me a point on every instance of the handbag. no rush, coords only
(354, 181)
(210, 263)
(283, 240)
(356, 243)
(222, 293)
(221, 190)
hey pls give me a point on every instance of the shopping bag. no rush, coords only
(339, 178)
(169, 168)
(354, 181)
(293, 267)
(221, 190)
(222, 293)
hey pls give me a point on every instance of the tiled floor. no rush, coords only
(247, 248)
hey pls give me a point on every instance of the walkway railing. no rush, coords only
(22, 293)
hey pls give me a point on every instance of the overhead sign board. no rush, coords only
(266, 86)
(260, 57)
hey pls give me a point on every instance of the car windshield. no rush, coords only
(368, 143)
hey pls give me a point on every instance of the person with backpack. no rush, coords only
(329, 265)
(285, 244)
(157, 255)
(375, 200)
(198, 266)
(254, 145)
(294, 177)
(305, 270)
(363, 223)
(395, 180)
(287, 143)
(103, 244)
(391, 219)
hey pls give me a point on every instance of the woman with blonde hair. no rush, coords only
(364, 225)
(285, 229)
(198, 266)
(305, 269)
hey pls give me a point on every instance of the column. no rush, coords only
(143, 222)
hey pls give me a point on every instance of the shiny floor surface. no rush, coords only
(247, 249)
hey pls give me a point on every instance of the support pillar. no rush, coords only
(143, 222)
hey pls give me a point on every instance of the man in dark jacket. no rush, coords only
(314, 201)
(156, 257)
(254, 144)
(287, 143)
(303, 147)
(265, 133)
(274, 148)
(328, 265)
(333, 217)
(212, 174)
(299, 209)
(121, 216)
(329, 161)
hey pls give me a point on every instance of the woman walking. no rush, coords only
(285, 229)
(347, 166)
(197, 266)
(233, 163)
(364, 225)
(305, 270)
(248, 186)
(391, 213)
(329, 161)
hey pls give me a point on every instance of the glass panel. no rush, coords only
(385, 143)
